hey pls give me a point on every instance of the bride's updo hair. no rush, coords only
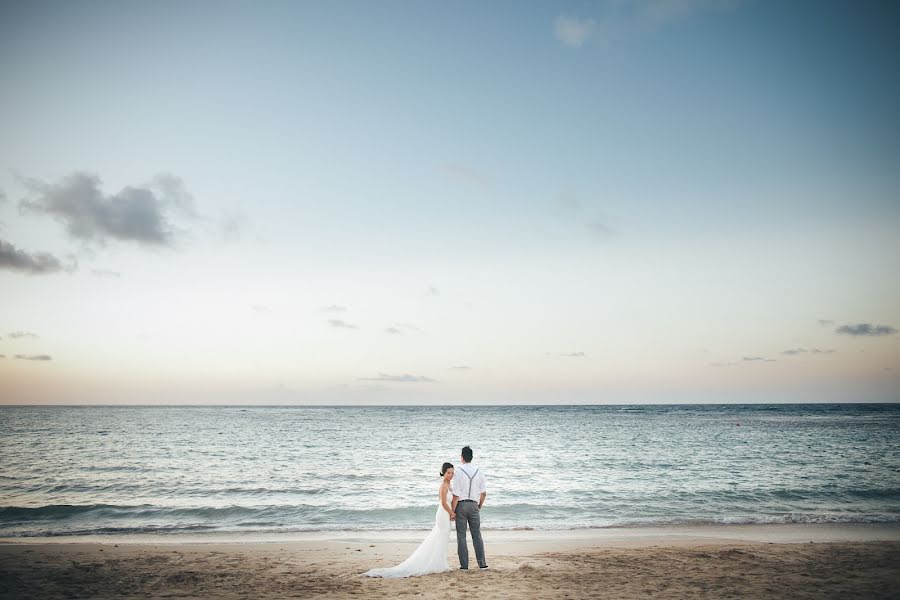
(445, 467)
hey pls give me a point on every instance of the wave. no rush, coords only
(108, 519)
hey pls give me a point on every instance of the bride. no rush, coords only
(431, 555)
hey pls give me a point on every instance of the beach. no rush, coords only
(746, 561)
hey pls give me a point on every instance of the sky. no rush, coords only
(619, 201)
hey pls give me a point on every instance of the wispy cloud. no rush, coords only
(567, 206)
(567, 354)
(573, 31)
(339, 324)
(723, 364)
(18, 335)
(619, 19)
(825, 322)
(39, 357)
(461, 368)
(404, 378)
(106, 273)
(757, 359)
(334, 308)
(259, 309)
(600, 231)
(432, 291)
(798, 351)
(143, 214)
(794, 351)
(463, 173)
(402, 329)
(38, 263)
(866, 329)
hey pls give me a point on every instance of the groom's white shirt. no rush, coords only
(459, 487)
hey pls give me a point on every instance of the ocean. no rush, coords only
(99, 470)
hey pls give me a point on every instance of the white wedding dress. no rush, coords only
(429, 557)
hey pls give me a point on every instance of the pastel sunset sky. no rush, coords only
(449, 202)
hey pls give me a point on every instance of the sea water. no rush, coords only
(95, 470)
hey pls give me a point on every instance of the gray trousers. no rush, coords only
(468, 515)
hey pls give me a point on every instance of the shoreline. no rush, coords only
(745, 532)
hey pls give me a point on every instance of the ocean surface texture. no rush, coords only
(100, 470)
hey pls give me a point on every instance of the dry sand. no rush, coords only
(737, 562)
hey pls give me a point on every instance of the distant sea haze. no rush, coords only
(170, 470)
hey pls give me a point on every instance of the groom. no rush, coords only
(469, 490)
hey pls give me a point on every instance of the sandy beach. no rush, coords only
(750, 561)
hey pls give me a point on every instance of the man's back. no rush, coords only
(468, 482)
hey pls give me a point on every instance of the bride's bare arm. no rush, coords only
(443, 492)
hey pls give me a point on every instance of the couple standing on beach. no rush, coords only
(460, 497)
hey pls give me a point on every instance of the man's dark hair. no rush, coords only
(467, 454)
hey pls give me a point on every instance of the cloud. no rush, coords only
(432, 291)
(402, 329)
(797, 351)
(620, 19)
(105, 273)
(866, 329)
(141, 214)
(461, 368)
(38, 263)
(723, 364)
(567, 206)
(341, 324)
(465, 174)
(33, 357)
(2, 196)
(567, 354)
(825, 322)
(334, 308)
(573, 31)
(172, 189)
(18, 335)
(259, 308)
(2, 356)
(600, 231)
(404, 378)
(757, 359)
